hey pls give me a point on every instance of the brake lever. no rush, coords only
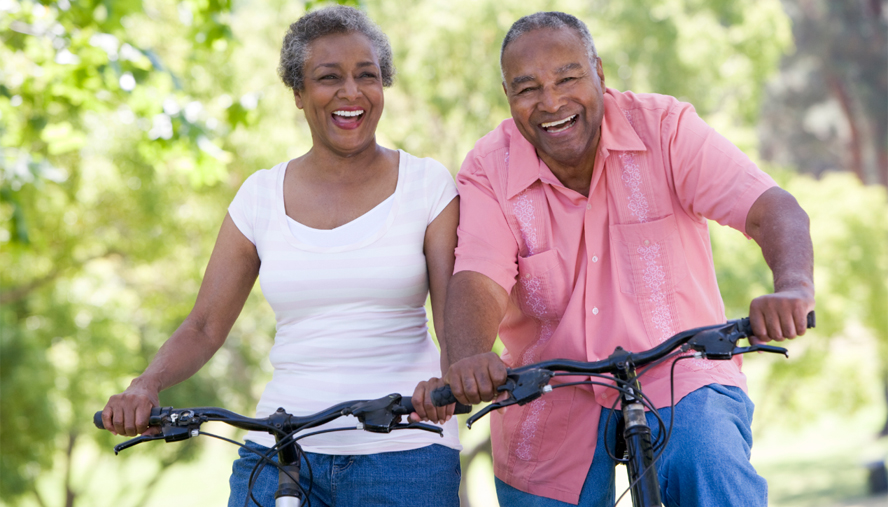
(419, 426)
(136, 441)
(761, 348)
(486, 410)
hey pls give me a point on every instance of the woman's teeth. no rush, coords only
(348, 113)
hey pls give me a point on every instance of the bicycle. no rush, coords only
(382, 415)
(634, 447)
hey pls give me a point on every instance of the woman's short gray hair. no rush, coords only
(336, 19)
(555, 20)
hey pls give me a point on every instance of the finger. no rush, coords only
(107, 420)
(463, 388)
(757, 322)
(788, 324)
(418, 398)
(129, 422)
(142, 413)
(800, 316)
(772, 322)
(117, 422)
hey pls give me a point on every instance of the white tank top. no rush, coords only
(349, 305)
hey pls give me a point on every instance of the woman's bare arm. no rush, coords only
(229, 278)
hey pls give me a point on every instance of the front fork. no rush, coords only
(637, 440)
(289, 494)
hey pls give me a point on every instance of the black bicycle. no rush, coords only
(635, 447)
(382, 415)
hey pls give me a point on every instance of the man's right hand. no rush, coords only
(127, 413)
(475, 378)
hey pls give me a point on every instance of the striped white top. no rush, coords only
(351, 321)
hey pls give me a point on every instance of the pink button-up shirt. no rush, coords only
(630, 265)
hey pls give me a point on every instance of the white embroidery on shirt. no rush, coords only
(638, 204)
(524, 213)
(654, 277)
(528, 430)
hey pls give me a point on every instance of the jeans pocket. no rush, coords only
(648, 256)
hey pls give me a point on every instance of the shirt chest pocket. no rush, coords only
(648, 256)
(543, 290)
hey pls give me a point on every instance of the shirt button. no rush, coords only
(527, 275)
(595, 311)
(594, 258)
(647, 242)
(588, 206)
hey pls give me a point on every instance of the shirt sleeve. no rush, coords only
(440, 188)
(486, 242)
(713, 178)
(243, 207)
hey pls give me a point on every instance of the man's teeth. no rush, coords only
(348, 113)
(552, 126)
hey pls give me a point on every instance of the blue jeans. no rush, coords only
(428, 476)
(705, 464)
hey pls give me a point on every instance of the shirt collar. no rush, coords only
(525, 168)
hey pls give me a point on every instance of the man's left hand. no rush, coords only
(780, 316)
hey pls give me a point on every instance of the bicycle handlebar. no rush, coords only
(381, 415)
(527, 383)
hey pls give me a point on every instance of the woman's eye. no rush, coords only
(367, 75)
(328, 77)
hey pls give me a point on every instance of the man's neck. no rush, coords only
(576, 176)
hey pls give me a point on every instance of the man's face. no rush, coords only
(556, 95)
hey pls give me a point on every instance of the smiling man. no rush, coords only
(583, 228)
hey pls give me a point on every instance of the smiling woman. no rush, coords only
(347, 241)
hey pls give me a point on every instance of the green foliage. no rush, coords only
(126, 127)
(849, 229)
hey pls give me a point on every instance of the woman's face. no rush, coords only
(343, 98)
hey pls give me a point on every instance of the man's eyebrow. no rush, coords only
(521, 79)
(569, 67)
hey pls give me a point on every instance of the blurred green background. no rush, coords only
(127, 126)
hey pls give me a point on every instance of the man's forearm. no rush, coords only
(475, 307)
(781, 228)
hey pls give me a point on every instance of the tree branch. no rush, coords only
(16, 294)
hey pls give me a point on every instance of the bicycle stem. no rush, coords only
(641, 468)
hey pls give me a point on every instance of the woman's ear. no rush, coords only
(298, 96)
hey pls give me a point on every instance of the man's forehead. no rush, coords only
(559, 46)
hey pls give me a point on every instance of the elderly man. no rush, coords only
(583, 227)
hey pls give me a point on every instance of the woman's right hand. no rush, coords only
(127, 413)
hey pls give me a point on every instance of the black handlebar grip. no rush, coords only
(407, 404)
(812, 320)
(442, 396)
(97, 420)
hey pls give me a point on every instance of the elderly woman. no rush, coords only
(347, 241)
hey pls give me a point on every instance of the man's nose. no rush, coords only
(551, 100)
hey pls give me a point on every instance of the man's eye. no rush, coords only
(567, 79)
(525, 91)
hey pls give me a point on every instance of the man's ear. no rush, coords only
(298, 96)
(599, 68)
(505, 90)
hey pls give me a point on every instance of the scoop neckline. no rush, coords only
(285, 226)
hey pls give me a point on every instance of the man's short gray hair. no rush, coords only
(552, 19)
(336, 19)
